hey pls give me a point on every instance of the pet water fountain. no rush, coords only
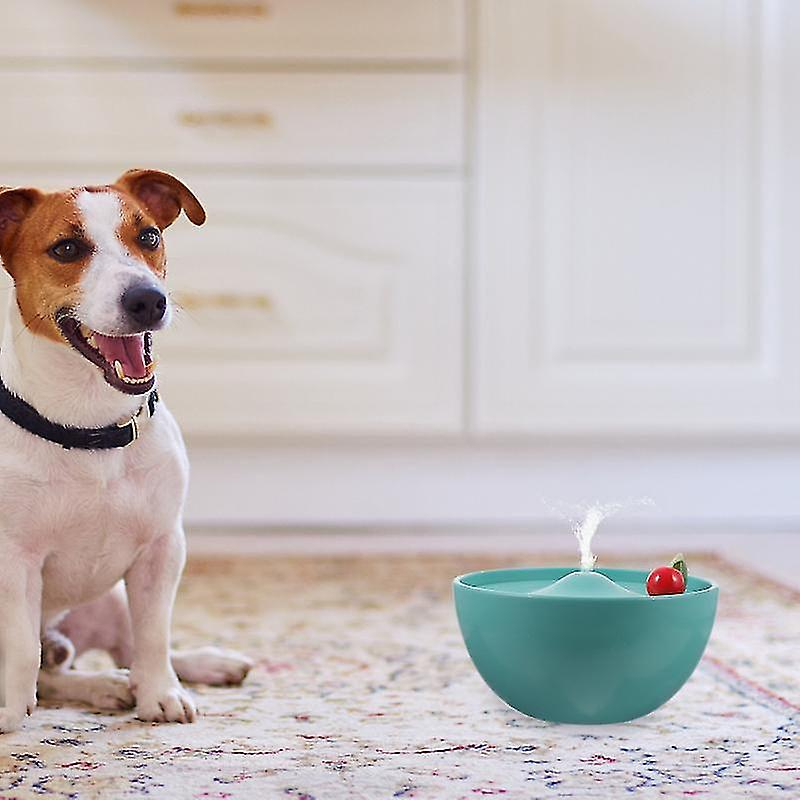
(583, 645)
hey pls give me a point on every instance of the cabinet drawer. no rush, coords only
(312, 305)
(234, 119)
(233, 29)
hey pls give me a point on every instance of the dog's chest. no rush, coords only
(95, 514)
(95, 541)
(99, 538)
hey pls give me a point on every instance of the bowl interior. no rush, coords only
(525, 580)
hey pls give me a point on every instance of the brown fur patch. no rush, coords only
(134, 220)
(43, 284)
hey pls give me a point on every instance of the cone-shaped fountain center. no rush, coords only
(585, 583)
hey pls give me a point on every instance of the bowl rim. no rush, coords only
(461, 581)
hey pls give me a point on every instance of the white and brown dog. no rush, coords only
(93, 469)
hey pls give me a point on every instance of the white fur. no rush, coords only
(73, 523)
(112, 268)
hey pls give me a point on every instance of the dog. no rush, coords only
(93, 469)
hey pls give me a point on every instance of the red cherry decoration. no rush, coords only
(665, 580)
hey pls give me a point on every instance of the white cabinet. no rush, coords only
(632, 246)
(634, 198)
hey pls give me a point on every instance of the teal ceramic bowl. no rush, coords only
(582, 659)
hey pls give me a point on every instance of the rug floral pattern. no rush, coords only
(363, 690)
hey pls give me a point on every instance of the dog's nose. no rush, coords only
(145, 305)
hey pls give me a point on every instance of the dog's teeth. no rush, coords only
(136, 380)
(123, 377)
(151, 367)
(92, 341)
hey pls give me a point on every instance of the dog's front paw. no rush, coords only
(11, 718)
(171, 703)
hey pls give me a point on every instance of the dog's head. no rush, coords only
(90, 269)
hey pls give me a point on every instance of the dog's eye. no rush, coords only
(67, 250)
(149, 238)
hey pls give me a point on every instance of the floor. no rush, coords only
(772, 552)
(363, 689)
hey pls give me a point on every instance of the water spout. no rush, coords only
(590, 517)
(585, 530)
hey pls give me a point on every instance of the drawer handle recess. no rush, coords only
(225, 119)
(194, 8)
(194, 301)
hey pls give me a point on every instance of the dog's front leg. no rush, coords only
(20, 604)
(151, 583)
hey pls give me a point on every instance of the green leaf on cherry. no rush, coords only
(679, 563)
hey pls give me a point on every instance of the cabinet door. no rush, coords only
(317, 306)
(636, 174)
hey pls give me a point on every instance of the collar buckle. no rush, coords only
(133, 425)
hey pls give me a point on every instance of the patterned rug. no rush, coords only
(363, 690)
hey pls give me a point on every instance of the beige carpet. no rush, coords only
(363, 690)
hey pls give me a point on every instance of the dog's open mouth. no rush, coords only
(126, 361)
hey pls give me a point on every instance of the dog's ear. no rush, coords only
(15, 204)
(162, 195)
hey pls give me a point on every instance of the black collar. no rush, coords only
(27, 417)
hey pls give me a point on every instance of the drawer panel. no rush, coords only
(233, 29)
(234, 119)
(314, 306)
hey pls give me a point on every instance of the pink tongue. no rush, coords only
(128, 350)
